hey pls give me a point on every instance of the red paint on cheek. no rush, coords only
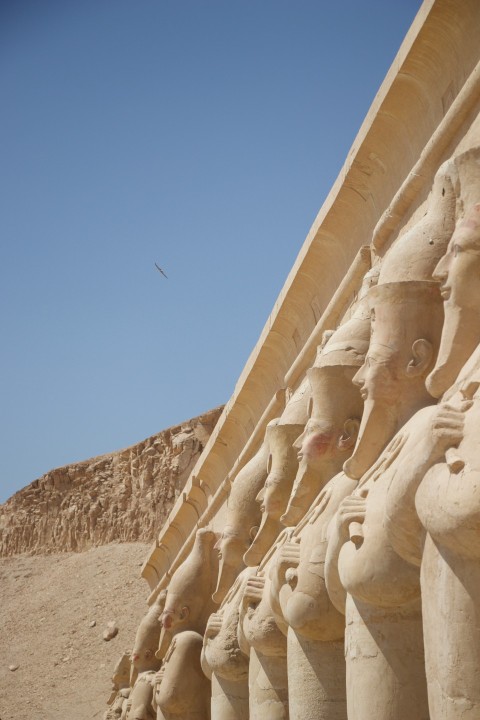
(317, 444)
(167, 621)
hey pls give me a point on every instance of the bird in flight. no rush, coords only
(160, 270)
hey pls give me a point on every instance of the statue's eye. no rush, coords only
(456, 250)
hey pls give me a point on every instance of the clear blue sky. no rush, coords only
(200, 134)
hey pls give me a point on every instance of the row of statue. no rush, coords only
(346, 581)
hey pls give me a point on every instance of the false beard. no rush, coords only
(460, 337)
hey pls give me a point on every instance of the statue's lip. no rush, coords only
(445, 291)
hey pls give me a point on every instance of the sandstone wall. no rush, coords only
(123, 496)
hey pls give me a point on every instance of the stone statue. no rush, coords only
(316, 663)
(282, 467)
(144, 663)
(242, 521)
(260, 636)
(222, 659)
(147, 638)
(183, 690)
(383, 636)
(120, 688)
(139, 703)
(436, 523)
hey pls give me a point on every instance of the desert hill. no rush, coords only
(71, 547)
(123, 496)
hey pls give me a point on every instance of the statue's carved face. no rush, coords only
(392, 378)
(459, 275)
(121, 673)
(174, 614)
(378, 378)
(231, 546)
(271, 497)
(459, 270)
(282, 468)
(315, 443)
(381, 381)
(328, 438)
(143, 656)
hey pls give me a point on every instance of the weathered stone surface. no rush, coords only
(123, 496)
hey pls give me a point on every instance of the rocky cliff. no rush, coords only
(123, 496)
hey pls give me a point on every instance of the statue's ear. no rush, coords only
(421, 359)
(348, 438)
(253, 532)
(184, 612)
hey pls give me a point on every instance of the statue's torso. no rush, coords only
(308, 609)
(448, 501)
(372, 571)
(222, 652)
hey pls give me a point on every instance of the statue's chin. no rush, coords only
(376, 430)
(226, 577)
(292, 516)
(264, 539)
(460, 337)
(440, 379)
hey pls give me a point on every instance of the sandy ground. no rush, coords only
(47, 604)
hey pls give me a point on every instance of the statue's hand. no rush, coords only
(350, 516)
(446, 430)
(253, 592)
(288, 557)
(214, 625)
